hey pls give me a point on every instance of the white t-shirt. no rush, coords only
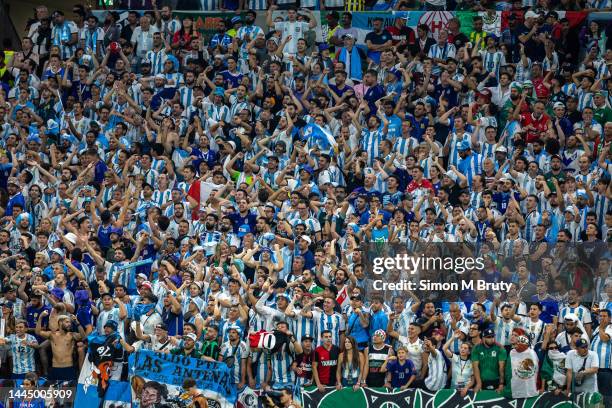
(574, 362)
(415, 352)
(524, 373)
(143, 39)
(296, 30)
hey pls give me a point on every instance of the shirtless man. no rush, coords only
(63, 343)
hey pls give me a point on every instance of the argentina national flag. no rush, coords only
(315, 135)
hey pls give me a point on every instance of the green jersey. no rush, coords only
(488, 360)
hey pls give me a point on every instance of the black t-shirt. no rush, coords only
(378, 38)
(304, 361)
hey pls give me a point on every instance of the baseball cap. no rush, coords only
(191, 336)
(558, 105)
(582, 343)
(488, 333)
(357, 297)
(306, 238)
(116, 230)
(345, 36)
(12, 180)
(485, 93)
(57, 292)
(531, 14)
(112, 324)
(161, 326)
(143, 276)
(502, 149)
(308, 169)
(307, 337)
(465, 145)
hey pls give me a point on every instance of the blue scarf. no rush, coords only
(141, 309)
(356, 72)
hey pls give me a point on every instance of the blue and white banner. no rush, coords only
(163, 375)
(316, 135)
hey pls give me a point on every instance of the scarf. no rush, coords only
(356, 72)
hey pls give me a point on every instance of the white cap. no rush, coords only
(558, 105)
(306, 238)
(531, 14)
(71, 237)
(191, 336)
(501, 149)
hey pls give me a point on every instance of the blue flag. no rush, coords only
(315, 135)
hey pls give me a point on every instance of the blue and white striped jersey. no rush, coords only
(281, 367)
(333, 322)
(64, 32)
(583, 313)
(22, 354)
(233, 356)
(603, 349)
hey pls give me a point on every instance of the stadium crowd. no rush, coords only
(162, 190)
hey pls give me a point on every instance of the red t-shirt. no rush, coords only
(540, 125)
(540, 89)
(327, 361)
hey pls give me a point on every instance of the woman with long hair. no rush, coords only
(182, 38)
(350, 365)
(462, 374)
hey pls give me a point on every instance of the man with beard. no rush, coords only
(488, 362)
(175, 220)
(210, 346)
(234, 354)
(63, 342)
(514, 107)
(571, 325)
(166, 24)
(188, 347)
(248, 32)
(206, 228)
(536, 123)
(582, 366)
